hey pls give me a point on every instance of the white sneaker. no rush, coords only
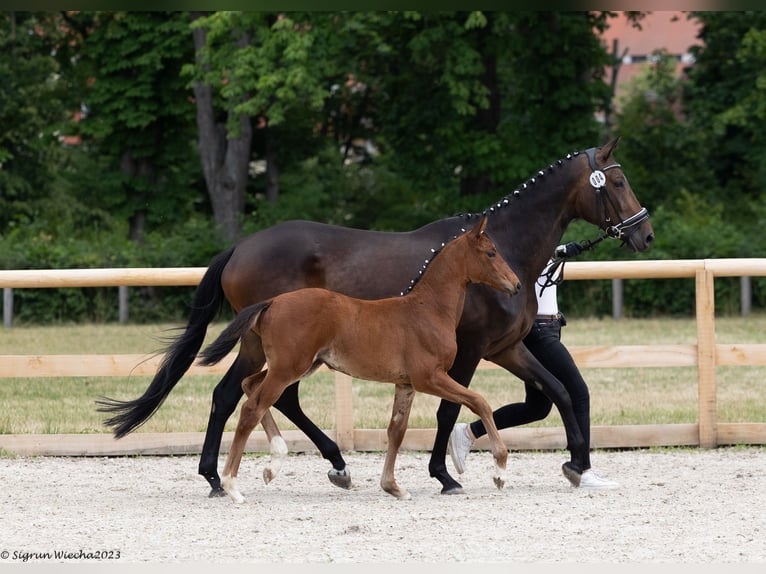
(591, 480)
(459, 446)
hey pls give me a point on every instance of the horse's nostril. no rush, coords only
(518, 286)
(650, 238)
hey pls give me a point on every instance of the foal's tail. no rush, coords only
(231, 335)
(208, 301)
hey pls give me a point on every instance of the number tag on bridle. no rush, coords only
(597, 179)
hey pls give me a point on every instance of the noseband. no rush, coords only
(598, 181)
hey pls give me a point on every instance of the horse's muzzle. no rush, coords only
(511, 290)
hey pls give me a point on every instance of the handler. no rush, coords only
(544, 342)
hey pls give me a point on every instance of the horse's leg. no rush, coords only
(462, 371)
(277, 444)
(396, 428)
(289, 405)
(520, 361)
(226, 395)
(442, 385)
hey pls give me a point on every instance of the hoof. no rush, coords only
(340, 478)
(572, 473)
(499, 482)
(397, 492)
(230, 486)
(217, 493)
(454, 489)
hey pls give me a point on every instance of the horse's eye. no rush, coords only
(619, 183)
(491, 253)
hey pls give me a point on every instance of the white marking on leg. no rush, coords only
(501, 476)
(229, 484)
(278, 449)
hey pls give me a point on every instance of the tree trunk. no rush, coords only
(141, 168)
(224, 160)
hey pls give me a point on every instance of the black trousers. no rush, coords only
(544, 342)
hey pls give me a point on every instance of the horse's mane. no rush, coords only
(503, 202)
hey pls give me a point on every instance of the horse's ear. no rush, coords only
(482, 225)
(608, 148)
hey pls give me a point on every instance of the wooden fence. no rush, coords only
(706, 355)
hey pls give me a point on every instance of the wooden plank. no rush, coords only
(140, 443)
(112, 277)
(737, 267)
(741, 433)
(609, 356)
(646, 269)
(740, 354)
(40, 366)
(190, 276)
(706, 357)
(374, 440)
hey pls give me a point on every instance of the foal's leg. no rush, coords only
(277, 444)
(248, 420)
(444, 386)
(262, 397)
(396, 428)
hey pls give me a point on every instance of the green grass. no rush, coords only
(618, 396)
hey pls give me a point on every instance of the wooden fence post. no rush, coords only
(617, 298)
(706, 358)
(7, 307)
(123, 310)
(344, 411)
(745, 295)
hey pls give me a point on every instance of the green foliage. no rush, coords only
(459, 106)
(31, 110)
(139, 126)
(725, 99)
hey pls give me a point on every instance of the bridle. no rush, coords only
(554, 273)
(598, 181)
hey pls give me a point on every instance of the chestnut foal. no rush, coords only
(409, 341)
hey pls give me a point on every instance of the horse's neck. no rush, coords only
(527, 231)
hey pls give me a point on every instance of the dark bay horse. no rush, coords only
(526, 226)
(408, 341)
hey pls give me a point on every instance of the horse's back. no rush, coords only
(297, 254)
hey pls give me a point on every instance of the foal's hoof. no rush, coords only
(340, 478)
(572, 473)
(499, 482)
(217, 493)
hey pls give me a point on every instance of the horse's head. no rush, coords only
(606, 199)
(486, 265)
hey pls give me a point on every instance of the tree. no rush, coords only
(139, 116)
(32, 110)
(727, 92)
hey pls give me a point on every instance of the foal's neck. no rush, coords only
(443, 284)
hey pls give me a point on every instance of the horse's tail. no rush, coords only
(208, 301)
(231, 335)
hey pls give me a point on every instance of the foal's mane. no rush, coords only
(503, 202)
